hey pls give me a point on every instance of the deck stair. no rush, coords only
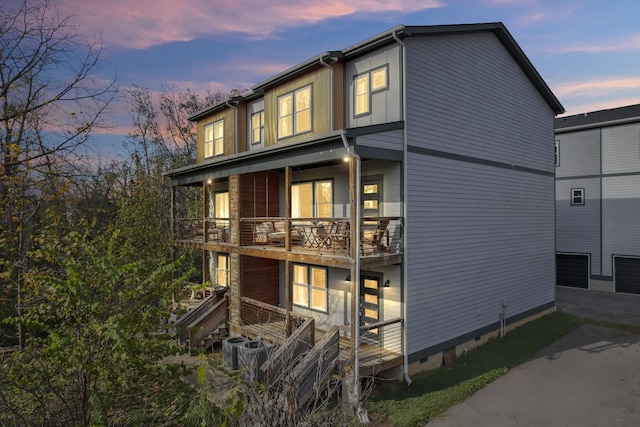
(200, 322)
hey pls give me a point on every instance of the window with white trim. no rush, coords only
(310, 287)
(313, 199)
(214, 139)
(556, 153)
(367, 84)
(294, 112)
(577, 196)
(257, 128)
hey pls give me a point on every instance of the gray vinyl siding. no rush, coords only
(466, 95)
(621, 211)
(386, 105)
(579, 153)
(578, 227)
(391, 140)
(621, 152)
(253, 107)
(477, 235)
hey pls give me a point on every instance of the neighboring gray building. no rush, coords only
(445, 196)
(598, 200)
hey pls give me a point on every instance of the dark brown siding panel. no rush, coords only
(259, 195)
(260, 279)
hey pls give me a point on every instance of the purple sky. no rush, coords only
(588, 51)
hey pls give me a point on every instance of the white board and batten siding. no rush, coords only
(386, 105)
(479, 231)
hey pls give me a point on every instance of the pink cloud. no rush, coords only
(629, 43)
(141, 24)
(596, 87)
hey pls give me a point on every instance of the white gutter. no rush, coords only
(355, 276)
(405, 270)
(235, 125)
(330, 92)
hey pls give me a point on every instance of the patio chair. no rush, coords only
(373, 241)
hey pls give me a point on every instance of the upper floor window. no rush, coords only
(310, 287)
(556, 153)
(257, 128)
(367, 84)
(294, 112)
(577, 196)
(214, 139)
(312, 199)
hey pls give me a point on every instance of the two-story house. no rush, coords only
(598, 200)
(401, 189)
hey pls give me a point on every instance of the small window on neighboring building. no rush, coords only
(365, 85)
(577, 196)
(214, 139)
(257, 128)
(556, 152)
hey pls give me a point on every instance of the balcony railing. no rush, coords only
(201, 230)
(333, 235)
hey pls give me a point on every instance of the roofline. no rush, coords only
(402, 31)
(614, 116)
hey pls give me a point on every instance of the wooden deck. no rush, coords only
(373, 358)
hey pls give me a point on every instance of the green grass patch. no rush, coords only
(432, 393)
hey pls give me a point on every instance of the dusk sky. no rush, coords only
(588, 51)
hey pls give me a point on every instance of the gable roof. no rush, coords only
(400, 32)
(600, 118)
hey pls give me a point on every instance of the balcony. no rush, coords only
(201, 230)
(328, 236)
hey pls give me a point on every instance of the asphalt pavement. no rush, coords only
(590, 377)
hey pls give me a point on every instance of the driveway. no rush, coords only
(591, 377)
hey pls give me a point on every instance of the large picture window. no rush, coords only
(312, 199)
(294, 112)
(367, 84)
(310, 287)
(214, 139)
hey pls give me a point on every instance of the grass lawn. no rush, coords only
(432, 393)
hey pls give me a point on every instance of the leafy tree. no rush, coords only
(49, 106)
(96, 361)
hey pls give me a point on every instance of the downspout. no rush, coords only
(330, 92)
(356, 273)
(405, 270)
(235, 126)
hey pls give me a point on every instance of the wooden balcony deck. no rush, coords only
(377, 352)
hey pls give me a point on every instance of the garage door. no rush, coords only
(572, 270)
(627, 275)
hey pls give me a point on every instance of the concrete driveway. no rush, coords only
(590, 377)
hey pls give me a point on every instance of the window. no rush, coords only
(257, 128)
(556, 153)
(214, 139)
(294, 112)
(310, 287)
(222, 270)
(312, 199)
(222, 205)
(577, 196)
(366, 85)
